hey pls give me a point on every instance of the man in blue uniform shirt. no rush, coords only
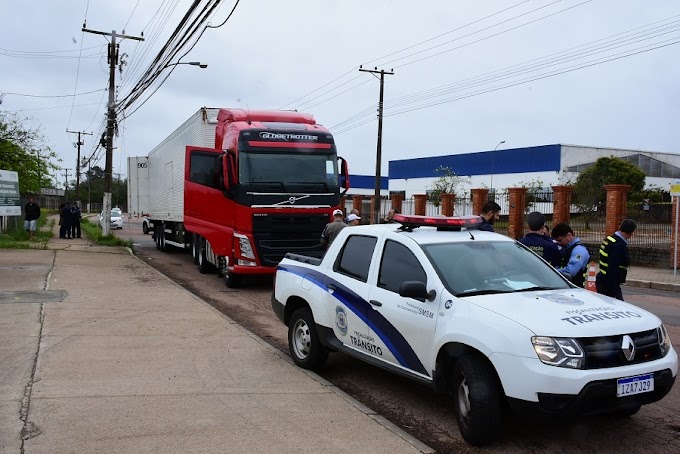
(539, 242)
(614, 260)
(575, 261)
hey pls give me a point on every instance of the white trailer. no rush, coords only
(138, 186)
(166, 165)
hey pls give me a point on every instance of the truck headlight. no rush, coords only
(664, 340)
(244, 246)
(559, 351)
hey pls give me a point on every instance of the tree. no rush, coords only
(23, 150)
(447, 183)
(589, 193)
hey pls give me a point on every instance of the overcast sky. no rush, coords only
(451, 60)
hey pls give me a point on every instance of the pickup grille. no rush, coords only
(277, 234)
(602, 352)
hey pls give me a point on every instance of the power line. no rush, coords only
(51, 96)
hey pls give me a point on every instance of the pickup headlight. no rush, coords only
(244, 246)
(559, 351)
(664, 340)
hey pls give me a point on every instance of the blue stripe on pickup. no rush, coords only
(388, 333)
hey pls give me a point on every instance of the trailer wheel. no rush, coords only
(145, 228)
(161, 240)
(203, 264)
(156, 238)
(195, 248)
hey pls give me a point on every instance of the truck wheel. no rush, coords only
(477, 399)
(195, 248)
(156, 239)
(232, 280)
(203, 264)
(145, 228)
(161, 240)
(303, 341)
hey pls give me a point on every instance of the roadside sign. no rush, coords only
(10, 202)
(675, 189)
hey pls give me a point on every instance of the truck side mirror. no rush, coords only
(343, 179)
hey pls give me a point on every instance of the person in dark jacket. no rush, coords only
(490, 214)
(76, 215)
(539, 242)
(614, 260)
(32, 211)
(66, 221)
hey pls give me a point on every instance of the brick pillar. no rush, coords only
(397, 201)
(561, 204)
(617, 208)
(675, 253)
(420, 202)
(479, 198)
(373, 221)
(517, 197)
(357, 200)
(447, 203)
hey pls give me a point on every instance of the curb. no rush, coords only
(667, 286)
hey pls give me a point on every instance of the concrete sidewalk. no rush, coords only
(101, 353)
(656, 278)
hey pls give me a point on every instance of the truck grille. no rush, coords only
(275, 235)
(602, 352)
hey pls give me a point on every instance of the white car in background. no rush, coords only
(116, 218)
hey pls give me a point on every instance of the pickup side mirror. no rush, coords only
(416, 290)
(344, 175)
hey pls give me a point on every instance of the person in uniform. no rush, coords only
(490, 214)
(614, 260)
(574, 263)
(539, 242)
(333, 228)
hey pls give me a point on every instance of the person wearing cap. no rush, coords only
(539, 242)
(614, 260)
(353, 220)
(354, 211)
(330, 232)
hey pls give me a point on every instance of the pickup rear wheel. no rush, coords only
(303, 340)
(477, 396)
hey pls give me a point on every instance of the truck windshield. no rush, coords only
(479, 267)
(288, 168)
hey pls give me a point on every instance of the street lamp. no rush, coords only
(192, 63)
(492, 158)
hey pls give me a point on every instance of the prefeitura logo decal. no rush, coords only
(561, 299)
(341, 320)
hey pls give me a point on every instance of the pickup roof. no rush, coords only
(474, 314)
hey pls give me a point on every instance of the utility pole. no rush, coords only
(66, 183)
(78, 144)
(378, 153)
(111, 121)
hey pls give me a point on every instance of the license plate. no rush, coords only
(634, 385)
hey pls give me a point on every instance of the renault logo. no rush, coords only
(628, 347)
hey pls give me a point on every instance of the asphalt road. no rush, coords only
(417, 409)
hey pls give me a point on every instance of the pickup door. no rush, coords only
(346, 299)
(404, 326)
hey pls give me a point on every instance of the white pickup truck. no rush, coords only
(474, 314)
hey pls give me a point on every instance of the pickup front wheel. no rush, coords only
(303, 340)
(477, 399)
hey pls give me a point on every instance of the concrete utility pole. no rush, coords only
(378, 154)
(111, 121)
(66, 183)
(78, 144)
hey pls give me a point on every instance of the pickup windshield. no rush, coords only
(288, 167)
(478, 268)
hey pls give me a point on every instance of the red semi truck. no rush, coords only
(243, 188)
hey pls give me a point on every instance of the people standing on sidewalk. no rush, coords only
(76, 215)
(539, 242)
(32, 212)
(574, 264)
(614, 260)
(490, 214)
(333, 228)
(66, 221)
